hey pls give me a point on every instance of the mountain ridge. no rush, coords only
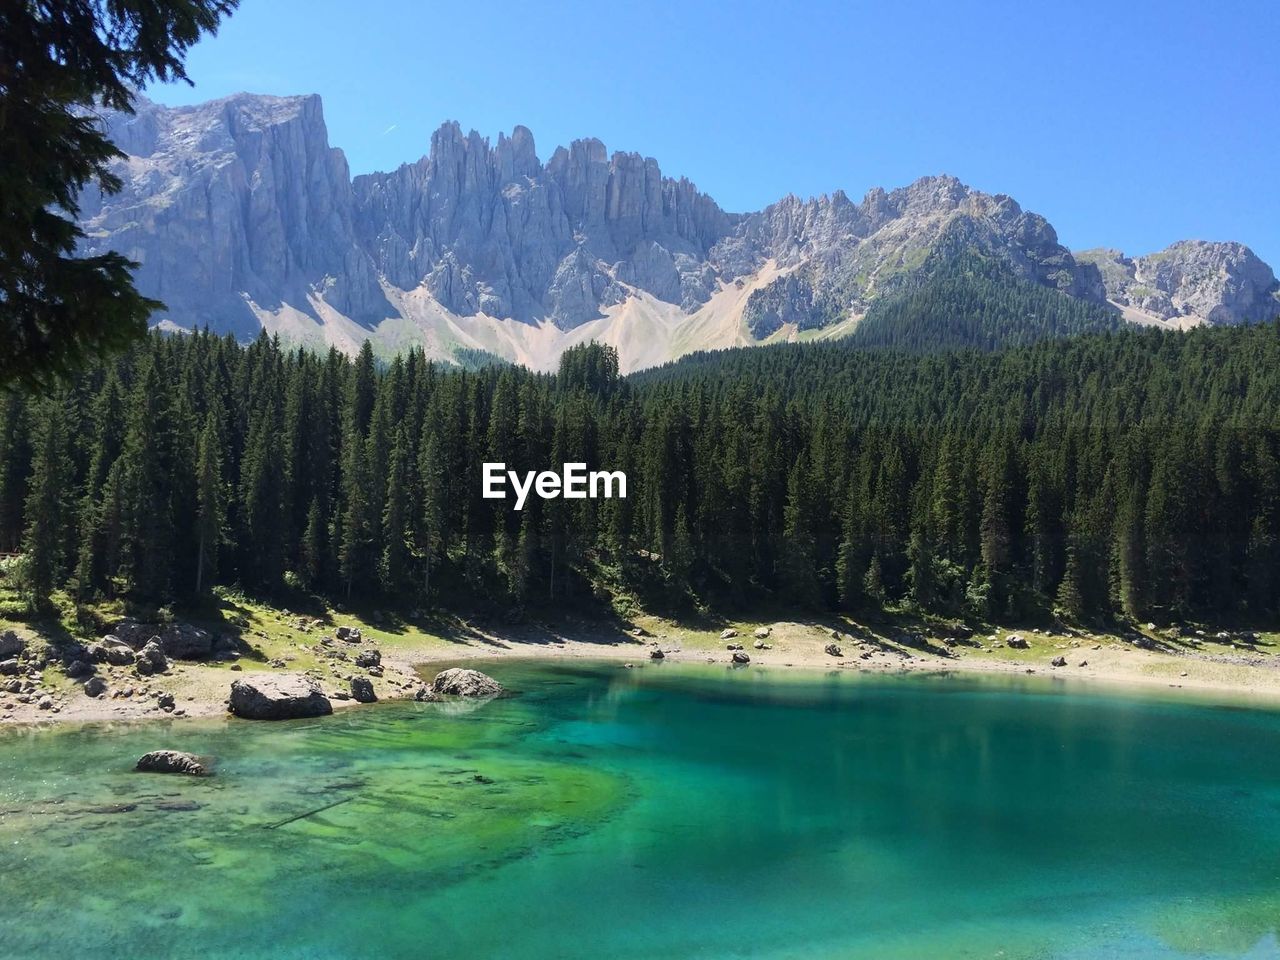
(244, 217)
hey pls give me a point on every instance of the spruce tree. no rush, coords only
(211, 499)
(799, 565)
(46, 506)
(395, 553)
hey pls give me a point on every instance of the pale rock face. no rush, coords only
(490, 230)
(239, 212)
(233, 199)
(1219, 283)
(845, 255)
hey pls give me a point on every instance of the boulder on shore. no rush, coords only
(78, 670)
(278, 697)
(728, 634)
(95, 687)
(461, 682)
(1058, 662)
(362, 690)
(1018, 642)
(740, 657)
(172, 761)
(181, 641)
(111, 649)
(657, 654)
(369, 658)
(11, 644)
(348, 634)
(832, 650)
(151, 659)
(762, 633)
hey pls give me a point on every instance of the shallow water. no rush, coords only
(663, 812)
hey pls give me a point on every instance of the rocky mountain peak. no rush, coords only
(243, 215)
(1190, 281)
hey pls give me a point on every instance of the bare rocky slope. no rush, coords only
(244, 217)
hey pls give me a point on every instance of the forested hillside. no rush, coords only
(1122, 473)
(967, 300)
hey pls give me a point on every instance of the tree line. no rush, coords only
(1119, 474)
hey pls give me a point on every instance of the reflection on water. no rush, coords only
(668, 811)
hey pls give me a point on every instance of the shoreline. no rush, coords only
(1209, 671)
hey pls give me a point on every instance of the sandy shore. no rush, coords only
(1205, 667)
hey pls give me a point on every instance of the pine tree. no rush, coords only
(146, 526)
(395, 554)
(313, 547)
(356, 556)
(432, 514)
(1070, 599)
(922, 572)
(1130, 559)
(211, 499)
(46, 505)
(799, 565)
(873, 581)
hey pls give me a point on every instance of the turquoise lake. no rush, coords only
(668, 811)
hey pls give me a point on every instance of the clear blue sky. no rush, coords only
(1128, 122)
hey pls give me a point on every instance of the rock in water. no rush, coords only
(172, 761)
(362, 690)
(425, 694)
(657, 655)
(278, 697)
(460, 682)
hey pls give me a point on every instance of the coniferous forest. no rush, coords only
(1118, 474)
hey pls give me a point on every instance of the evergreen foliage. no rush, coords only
(972, 301)
(60, 61)
(1133, 473)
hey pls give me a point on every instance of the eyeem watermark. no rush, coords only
(572, 483)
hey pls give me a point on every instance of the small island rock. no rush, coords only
(461, 682)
